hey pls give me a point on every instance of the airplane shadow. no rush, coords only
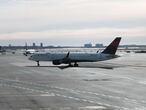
(102, 65)
(65, 67)
(43, 66)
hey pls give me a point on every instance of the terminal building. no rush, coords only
(88, 45)
(99, 46)
(41, 45)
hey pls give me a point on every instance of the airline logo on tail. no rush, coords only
(112, 48)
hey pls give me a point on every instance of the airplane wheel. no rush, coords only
(38, 64)
(76, 65)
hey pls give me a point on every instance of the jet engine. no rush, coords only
(65, 60)
(56, 62)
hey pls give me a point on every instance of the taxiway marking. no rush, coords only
(78, 91)
(68, 97)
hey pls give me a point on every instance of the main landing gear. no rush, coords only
(76, 65)
(73, 65)
(38, 63)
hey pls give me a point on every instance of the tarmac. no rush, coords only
(118, 84)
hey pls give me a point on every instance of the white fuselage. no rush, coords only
(68, 58)
(74, 57)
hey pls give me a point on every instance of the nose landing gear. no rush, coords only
(38, 63)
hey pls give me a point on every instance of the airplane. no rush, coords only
(72, 59)
(29, 52)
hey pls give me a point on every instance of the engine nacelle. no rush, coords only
(56, 62)
(62, 61)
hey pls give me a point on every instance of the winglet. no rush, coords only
(112, 48)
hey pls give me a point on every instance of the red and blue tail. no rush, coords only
(112, 48)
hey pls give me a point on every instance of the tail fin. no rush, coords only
(112, 48)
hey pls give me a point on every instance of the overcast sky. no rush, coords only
(72, 22)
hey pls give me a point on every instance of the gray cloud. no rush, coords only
(63, 19)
